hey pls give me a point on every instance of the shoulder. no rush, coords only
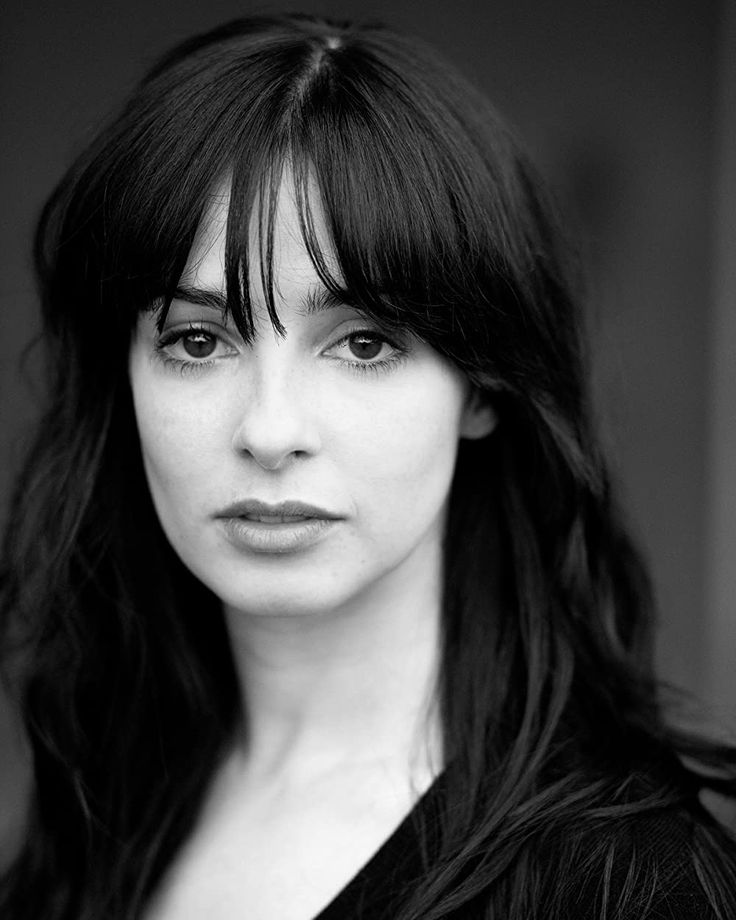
(630, 847)
(665, 864)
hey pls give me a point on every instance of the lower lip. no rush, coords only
(260, 537)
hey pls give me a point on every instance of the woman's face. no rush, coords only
(298, 474)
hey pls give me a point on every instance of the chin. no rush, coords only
(279, 592)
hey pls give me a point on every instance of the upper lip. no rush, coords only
(251, 507)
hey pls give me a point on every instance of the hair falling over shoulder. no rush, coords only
(557, 747)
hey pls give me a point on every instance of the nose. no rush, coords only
(274, 424)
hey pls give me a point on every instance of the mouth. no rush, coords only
(288, 512)
(256, 527)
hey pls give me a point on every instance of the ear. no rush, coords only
(479, 417)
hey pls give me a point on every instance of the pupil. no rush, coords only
(365, 346)
(198, 344)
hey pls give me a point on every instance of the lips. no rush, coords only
(275, 518)
(286, 528)
(287, 512)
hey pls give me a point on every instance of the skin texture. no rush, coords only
(336, 645)
(292, 419)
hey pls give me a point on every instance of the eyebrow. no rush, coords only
(317, 299)
(202, 297)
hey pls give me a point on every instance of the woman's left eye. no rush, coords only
(367, 349)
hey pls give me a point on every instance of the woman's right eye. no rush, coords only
(191, 348)
(199, 344)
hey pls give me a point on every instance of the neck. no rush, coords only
(355, 686)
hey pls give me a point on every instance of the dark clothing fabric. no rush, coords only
(397, 867)
(393, 869)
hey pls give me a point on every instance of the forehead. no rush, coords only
(291, 262)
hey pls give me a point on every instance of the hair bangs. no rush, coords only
(193, 127)
(390, 211)
(404, 203)
(386, 210)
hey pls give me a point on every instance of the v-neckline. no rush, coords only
(398, 862)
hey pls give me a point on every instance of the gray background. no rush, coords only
(628, 108)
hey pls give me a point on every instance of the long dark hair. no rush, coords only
(118, 656)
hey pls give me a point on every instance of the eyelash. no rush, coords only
(171, 337)
(398, 356)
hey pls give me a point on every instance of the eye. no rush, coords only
(361, 346)
(365, 345)
(192, 347)
(367, 350)
(198, 344)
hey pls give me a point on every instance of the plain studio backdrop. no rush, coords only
(629, 109)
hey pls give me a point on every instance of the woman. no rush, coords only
(315, 595)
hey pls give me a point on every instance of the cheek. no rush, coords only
(406, 449)
(175, 438)
(175, 450)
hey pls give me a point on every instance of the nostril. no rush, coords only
(273, 445)
(275, 415)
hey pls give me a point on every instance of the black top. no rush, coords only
(386, 876)
(397, 867)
